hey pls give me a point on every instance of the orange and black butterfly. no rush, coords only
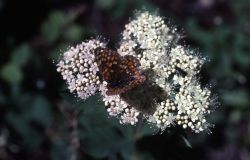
(120, 72)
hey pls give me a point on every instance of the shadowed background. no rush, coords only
(40, 120)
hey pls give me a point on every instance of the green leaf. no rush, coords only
(21, 55)
(40, 111)
(73, 100)
(101, 134)
(74, 33)
(237, 98)
(105, 4)
(11, 73)
(57, 51)
(128, 150)
(148, 129)
(59, 150)
(21, 100)
(30, 137)
(29, 109)
(103, 141)
(242, 58)
(52, 28)
(235, 116)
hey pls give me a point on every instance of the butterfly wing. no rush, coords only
(107, 61)
(121, 73)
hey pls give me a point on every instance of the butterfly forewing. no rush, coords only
(121, 73)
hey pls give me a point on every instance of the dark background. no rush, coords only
(40, 120)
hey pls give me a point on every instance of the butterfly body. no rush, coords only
(120, 72)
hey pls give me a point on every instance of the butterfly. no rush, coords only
(120, 72)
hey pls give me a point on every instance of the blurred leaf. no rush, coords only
(52, 28)
(74, 33)
(104, 4)
(186, 141)
(94, 114)
(237, 98)
(222, 68)
(21, 55)
(235, 116)
(148, 129)
(136, 132)
(30, 109)
(11, 73)
(128, 150)
(73, 100)
(147, 5)
(40, 111)
(59, 150)
(242, 58)
(22, 101)
(103, 141)
(217, 117)
(57, 51)
(196, 32)
(145, 156)
(15, 92)
(120, 8)
(59, 23)
(30, 137)
(18, 122)
(2, 98)
(100, 134)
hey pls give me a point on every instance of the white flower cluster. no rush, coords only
(116, 106)
(173, 69)
(79, 69)
(150, 35)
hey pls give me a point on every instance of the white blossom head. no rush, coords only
(150, 76)
(79, 69)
